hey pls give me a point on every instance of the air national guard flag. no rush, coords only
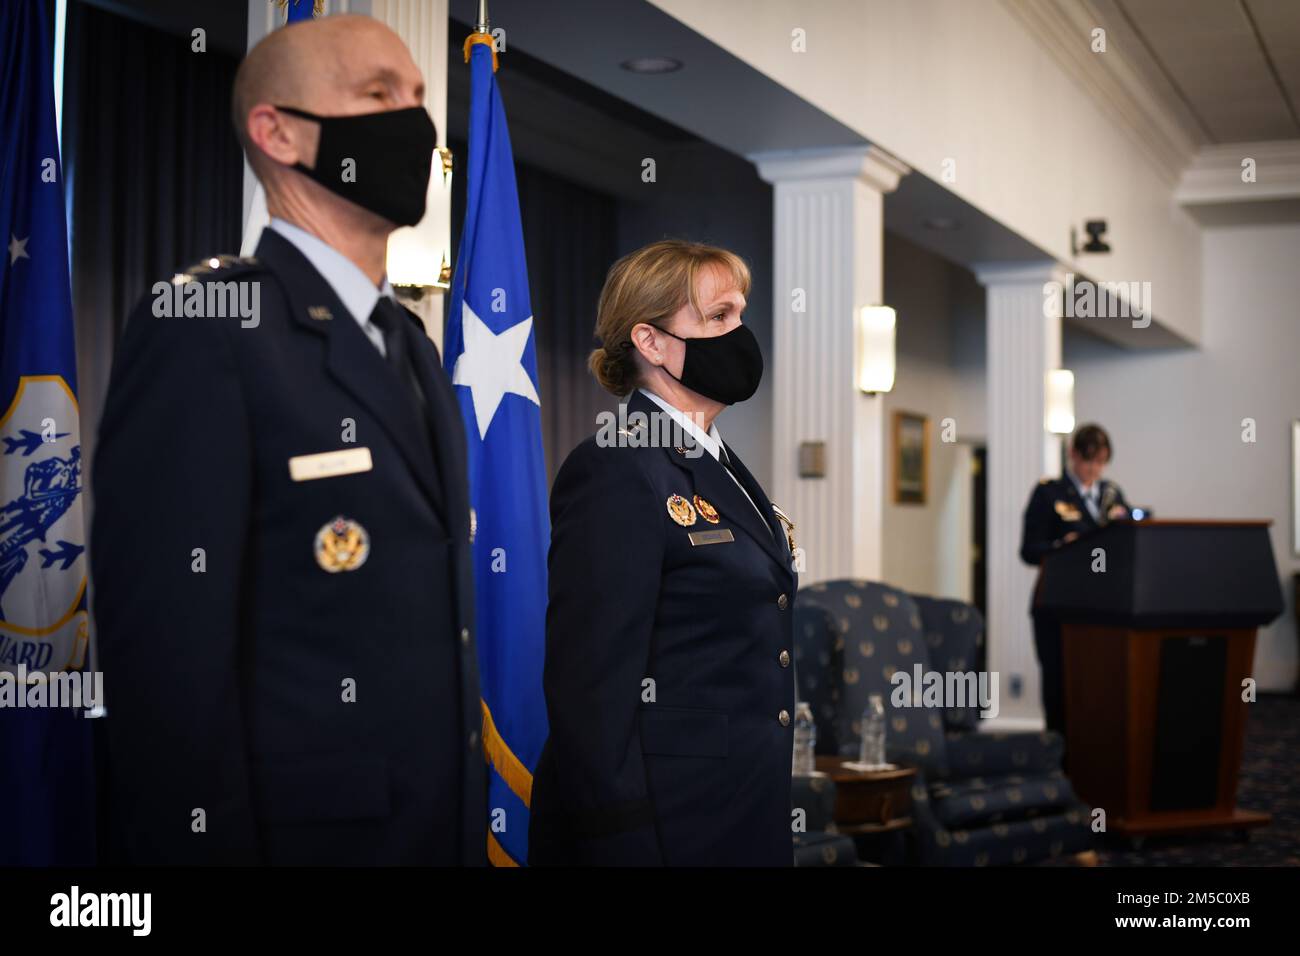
(490, 352)
(46, 787)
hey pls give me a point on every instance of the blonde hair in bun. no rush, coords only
(650, 285)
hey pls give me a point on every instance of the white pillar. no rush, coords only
(827, 263)
(1024, 342)
(422, 25)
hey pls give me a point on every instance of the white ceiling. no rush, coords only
(1228, 70)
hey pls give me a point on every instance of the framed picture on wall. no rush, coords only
(1295, 486)
(911, 457)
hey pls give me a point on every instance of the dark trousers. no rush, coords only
(1047, 642)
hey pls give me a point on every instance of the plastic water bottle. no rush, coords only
(805, 740)
(873, 732)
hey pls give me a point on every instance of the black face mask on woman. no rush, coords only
(726, 368)
(393, 152)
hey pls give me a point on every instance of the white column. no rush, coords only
(827, 263)
(422, 25)
(263, 18)
(1024, 342)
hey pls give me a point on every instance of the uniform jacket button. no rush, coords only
(473, 739)
(784, 717)
(785, 658)
(783, 602)
(464, 635)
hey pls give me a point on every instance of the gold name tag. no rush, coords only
(721, 536)
(330, 464)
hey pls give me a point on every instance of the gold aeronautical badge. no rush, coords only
(706, 510)
(680, 510)
(1067, 511)
(342, 545)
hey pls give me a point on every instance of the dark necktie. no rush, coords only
(391, 319)
(725, 460)
(726, 463)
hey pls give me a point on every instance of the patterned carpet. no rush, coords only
(1270, 781)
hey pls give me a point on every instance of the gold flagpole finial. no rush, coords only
(482, 34)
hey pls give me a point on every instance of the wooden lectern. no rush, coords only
(1155, 650)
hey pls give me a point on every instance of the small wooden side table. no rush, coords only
(869, 802)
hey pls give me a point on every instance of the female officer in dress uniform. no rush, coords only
(1059, 511)
(669, 686)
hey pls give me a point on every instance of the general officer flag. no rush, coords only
(46, 798)
(490, 351)
(296, 10)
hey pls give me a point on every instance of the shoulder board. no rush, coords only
(1044, 481)
(218, 267)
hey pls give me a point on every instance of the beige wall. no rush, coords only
(933, 80)
(927, 546)
(1175, 417)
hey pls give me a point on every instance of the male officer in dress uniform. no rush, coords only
(282, 523)
(1059, 511)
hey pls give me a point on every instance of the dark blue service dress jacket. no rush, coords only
(1056, 508)
(669, 678)
(293, 658)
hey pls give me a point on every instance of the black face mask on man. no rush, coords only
(726, 368)
(393, 155)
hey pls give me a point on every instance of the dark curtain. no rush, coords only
(570, 242)
(155, 173)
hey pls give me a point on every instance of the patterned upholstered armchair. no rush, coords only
(980, 798)
(821, 845)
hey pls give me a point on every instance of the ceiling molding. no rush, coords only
(870, 164)
(1111, 79)
(1212, 191)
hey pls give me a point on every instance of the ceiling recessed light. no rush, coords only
(941, 224)
(651, 64)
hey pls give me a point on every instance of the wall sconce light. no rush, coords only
(876, 348)
(419, 257)
(1058, 406)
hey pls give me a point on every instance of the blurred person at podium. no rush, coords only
(1061, 510)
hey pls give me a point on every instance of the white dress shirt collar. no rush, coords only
(1078, 485)
(352, 286)
(710, 441)
(1090, 495)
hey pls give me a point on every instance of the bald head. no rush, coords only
(332, 66)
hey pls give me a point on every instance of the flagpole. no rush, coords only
(482, 34)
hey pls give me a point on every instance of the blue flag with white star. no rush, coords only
(297, 10)
(46, 785)
(491, 353)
